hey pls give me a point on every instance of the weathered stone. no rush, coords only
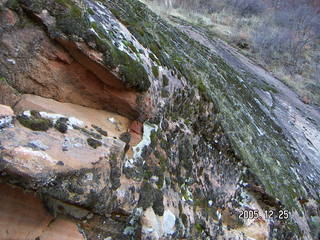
(62, 229)
(56, 207)
(147, 133)
(37, 145)
(24, 217)
(47, 71)
(89, 116)
(8, 18)
(39, 161)
(136, 127)
(126, 137)
(156, 227)
(6, 117)
(5, 111)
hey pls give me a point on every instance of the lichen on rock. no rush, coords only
(61, 125)
(151, 134)
(94, 143)
(35, 122)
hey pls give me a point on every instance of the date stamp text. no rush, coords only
(268, 214)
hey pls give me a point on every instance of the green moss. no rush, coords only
(135, 75)
(165, 93)
(35, 123)
(158, 206)
(163, 162)
(147, 174)
(100, 130)
(315, 226)
(131, 71)
(155, 71)
(115, 12)
(61, 125)
(185, 194)
(153, 58)
(146, 196)
(66, 3)
(155, 48)
(97, 29)
(87, 132)
(203, 91)
(90, 11)
(35, 114)
(165, 80)
(201, 87)
(160, 182)
(71, 20)
(201, 203)
(125, 137)
(150, 197)
(115, 173)
(13, 4)
(131, 46)
(199, 227)
(184, 219)
(153, 138)
(164, 145)
(185, 155)
(94, 143)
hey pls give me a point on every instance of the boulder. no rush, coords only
(67, 166)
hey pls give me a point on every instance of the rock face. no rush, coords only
(28, 214)
(116, 125)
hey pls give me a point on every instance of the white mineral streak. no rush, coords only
(6, 122)
(147, 129)
(72, 121)
(158, 226)
(137, 150)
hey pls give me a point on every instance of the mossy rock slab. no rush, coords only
(35, 123)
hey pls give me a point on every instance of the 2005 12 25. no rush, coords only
(255, 214)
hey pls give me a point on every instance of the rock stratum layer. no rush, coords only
(117, 125)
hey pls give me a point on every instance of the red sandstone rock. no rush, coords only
(24, 217)
(62, 229)
(8, 95)
(6, 111)
(8, 18)
(46, 69)
(40, 157)
(88, 115)
(136, 127)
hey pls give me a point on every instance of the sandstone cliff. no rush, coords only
(117, 125)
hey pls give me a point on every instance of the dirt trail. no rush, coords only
(300, 122)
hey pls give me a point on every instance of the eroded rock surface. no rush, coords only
(23, 216)
(123, 127)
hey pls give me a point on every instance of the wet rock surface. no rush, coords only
(124, 127)
(298, 120)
